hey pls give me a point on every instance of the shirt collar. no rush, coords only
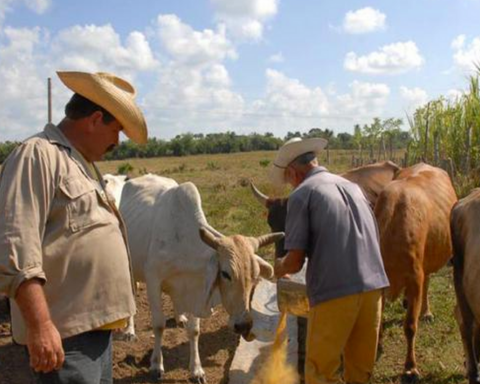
(55, 136)
(314, 171)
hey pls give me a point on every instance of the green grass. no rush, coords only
(230, 207)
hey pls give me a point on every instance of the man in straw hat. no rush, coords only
(64, 262)
(329, 221)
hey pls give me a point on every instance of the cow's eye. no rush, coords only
(225, 275)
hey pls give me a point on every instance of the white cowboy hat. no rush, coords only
(289, 152)
(112, 93)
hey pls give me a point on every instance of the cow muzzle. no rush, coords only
(245, 330)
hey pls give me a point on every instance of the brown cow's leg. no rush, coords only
(426, 313)
(413, 293)
(468, 330)
(381, 330)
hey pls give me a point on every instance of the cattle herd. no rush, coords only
(421, 226)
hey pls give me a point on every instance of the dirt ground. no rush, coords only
(131, 359)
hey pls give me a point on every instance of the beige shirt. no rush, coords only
(58, 225)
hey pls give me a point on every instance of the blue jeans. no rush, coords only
(88, 360)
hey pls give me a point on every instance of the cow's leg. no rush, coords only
(381, 330)
(413, 292)
(195, 365)
(154, 292)
(426, 313)
(468, 330)
(130, 331)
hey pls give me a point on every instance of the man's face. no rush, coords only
(291, 176)
(103, 137)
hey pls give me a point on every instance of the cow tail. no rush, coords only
(457, 243)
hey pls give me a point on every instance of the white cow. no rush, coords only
(175, 250)
(114, 184)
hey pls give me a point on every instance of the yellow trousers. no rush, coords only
(349, 327)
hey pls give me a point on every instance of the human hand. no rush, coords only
(278, 269)
(45, 348)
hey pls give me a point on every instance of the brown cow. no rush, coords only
(373, 178)
(465, 229)
(413, 218)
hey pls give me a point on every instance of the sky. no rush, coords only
(206, 66)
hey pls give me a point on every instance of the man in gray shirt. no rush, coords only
(329, 221)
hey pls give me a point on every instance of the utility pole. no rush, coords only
(49, 100)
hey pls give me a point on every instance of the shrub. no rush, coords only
(124, 169)
(212, 166)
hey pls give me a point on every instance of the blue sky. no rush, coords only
(242, 65)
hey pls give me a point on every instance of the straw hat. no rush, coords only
(112, 93)
(289, 152)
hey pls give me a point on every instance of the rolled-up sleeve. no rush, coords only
(26, 191)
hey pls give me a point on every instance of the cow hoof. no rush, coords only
(156, 374)
(428, 318)
(181, 321)
(410, 377)
(121, 336)
(198, 380)
(127, 336)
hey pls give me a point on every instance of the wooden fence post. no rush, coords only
(49, 90)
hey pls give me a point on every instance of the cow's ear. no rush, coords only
(208, 238)
(266, 270)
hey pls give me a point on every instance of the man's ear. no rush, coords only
(95, 119)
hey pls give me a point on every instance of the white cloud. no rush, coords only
(466, 56)
(38, 6)
(190, 47)
(365, 100)
(23, 96)
(99, 48)
(193, 89)
(364, 20)
(414, 97)
(390, 59)
(277, 58)
(289, 96)
(245, 18)
(454, 94)
(458, 42)
(192, 99)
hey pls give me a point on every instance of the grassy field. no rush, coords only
(229, 206)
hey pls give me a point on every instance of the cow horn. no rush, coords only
(263, 199)
(208, 238)
(269, 239)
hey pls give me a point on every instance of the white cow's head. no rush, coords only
(238, 270)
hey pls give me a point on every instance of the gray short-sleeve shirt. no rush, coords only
(330, 219)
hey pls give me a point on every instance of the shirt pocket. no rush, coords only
(82, 205)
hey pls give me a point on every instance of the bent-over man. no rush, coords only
(329, 221)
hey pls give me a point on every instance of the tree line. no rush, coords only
(366, 138)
